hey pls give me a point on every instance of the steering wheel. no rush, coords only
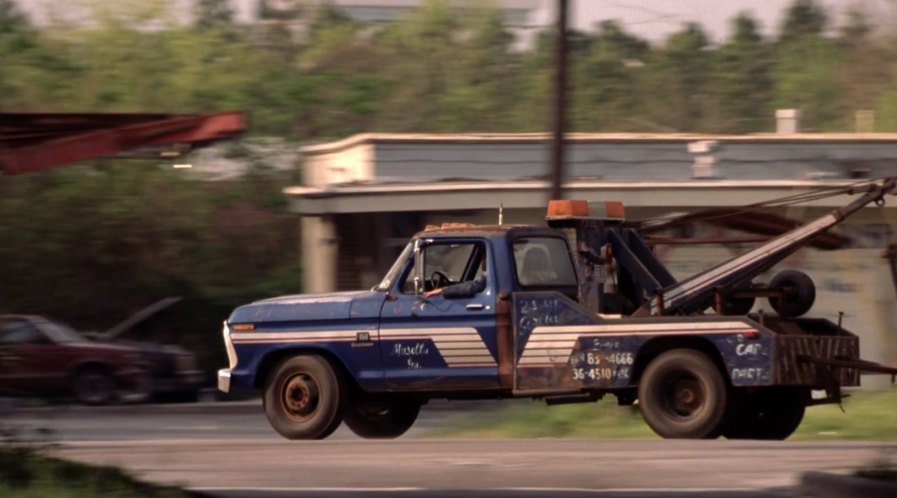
(438, 280)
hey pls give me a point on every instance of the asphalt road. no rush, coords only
(229, 449)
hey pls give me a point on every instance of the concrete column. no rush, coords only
(787, 121)
(319, 254)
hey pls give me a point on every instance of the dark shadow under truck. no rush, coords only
(545, 325)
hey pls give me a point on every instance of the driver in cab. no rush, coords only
(462, 289)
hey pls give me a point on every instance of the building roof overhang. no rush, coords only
(523, 138)
(459, 196)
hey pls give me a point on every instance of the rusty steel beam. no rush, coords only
(33, 142)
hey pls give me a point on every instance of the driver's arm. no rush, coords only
(461, 289)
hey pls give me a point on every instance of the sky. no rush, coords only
(657, 19)
(650, 19)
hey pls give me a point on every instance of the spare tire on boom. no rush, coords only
(798, 293)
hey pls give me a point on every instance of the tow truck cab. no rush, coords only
(510, 258)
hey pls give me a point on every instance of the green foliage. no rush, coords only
(804, 18)
(742, 83)
(528, 419)
(213, 14)
(92, 244)
(29, 474)
(441, 69)
(604, 79)
(676, 88)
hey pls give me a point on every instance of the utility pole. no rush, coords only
(560, 103)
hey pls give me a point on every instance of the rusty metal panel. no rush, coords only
(504, 330)
(791, 370)
(32, 142)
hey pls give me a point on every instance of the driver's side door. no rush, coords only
(26, 364)
(442, 342)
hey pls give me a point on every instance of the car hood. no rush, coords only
(100, 347)
(305, 307)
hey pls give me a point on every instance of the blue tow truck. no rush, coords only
(473, 312)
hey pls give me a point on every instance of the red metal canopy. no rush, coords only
(31, 142)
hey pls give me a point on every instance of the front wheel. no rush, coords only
(382, 418)
(304, 398)
(93, 386)
(682, 394)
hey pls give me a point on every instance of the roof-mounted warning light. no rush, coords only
(447, 226)
(566, 209)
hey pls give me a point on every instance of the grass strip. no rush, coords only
(25, 473)
(867, 415)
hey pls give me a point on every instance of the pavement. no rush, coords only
(228, 450)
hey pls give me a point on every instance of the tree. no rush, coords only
(675, 84)
(421, 54)
(803, 18)
(12, 20)
(604, 79)
(212, 14)
(742, 80)
(337, 91)
(483, 83)
(808, 69)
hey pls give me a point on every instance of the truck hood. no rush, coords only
(305, 307)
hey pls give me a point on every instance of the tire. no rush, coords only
(800, 295)
(304, 398)
(140, 392)
(772, 413)
(683, 395)
(738, 306)
(93, 386)
(382, 418)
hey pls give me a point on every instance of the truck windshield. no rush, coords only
(543, 262)
(393, 272)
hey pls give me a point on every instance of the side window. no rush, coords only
(20, 332)
(543, 262)
(447, 264)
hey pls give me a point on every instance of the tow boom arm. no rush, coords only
(693, 294)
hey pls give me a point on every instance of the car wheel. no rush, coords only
(304, 398)
(141, 391)
(382, 418)
(682, 394)
(93, 386)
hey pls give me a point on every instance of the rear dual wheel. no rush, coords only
(380, 417)
(683, 395)
(771, 413)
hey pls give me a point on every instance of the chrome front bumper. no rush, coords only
(224, 380)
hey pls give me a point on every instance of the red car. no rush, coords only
(42, 357)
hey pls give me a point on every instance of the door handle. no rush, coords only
(475, 307)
